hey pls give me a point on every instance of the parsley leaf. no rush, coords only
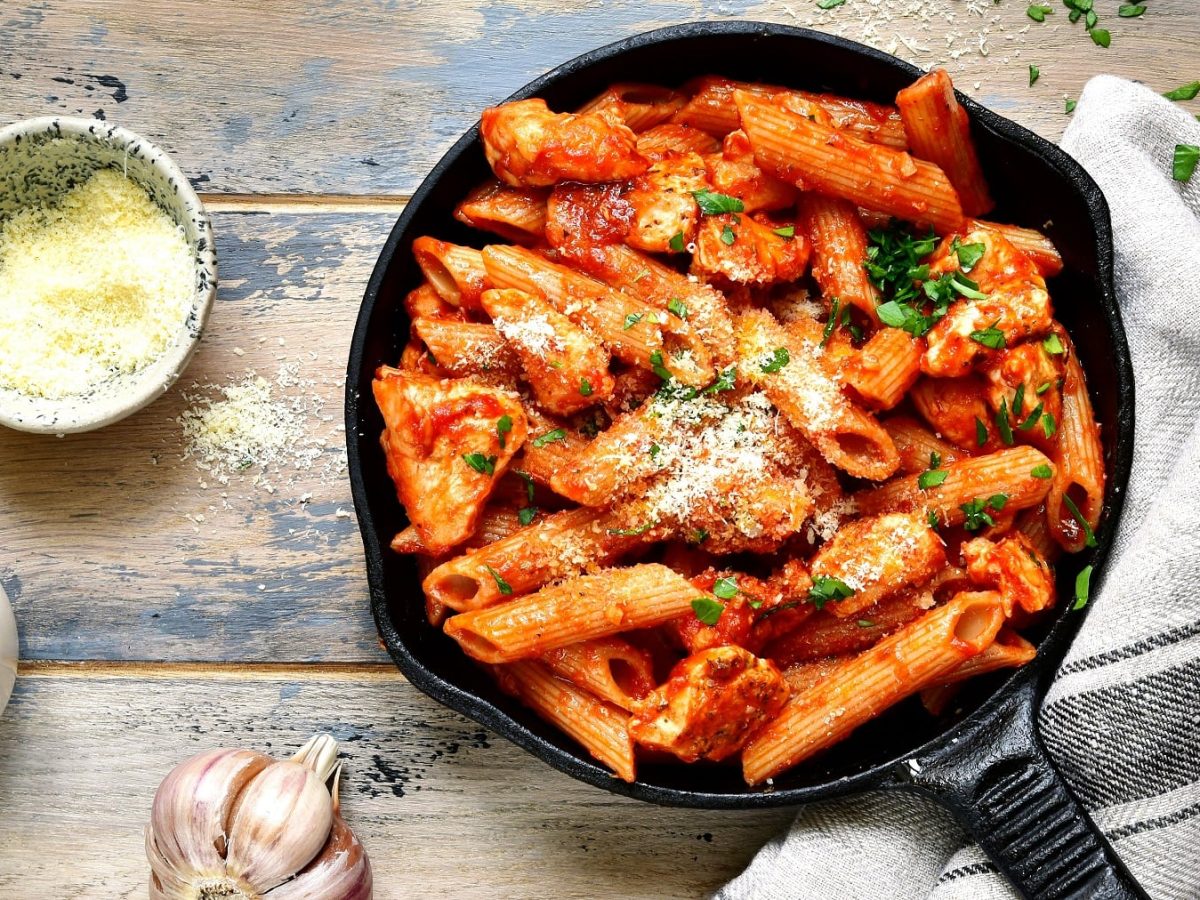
(656, 365)
(1002, 424)
(1070, 105)
(699, 536)
(1018, 404)
(708, 610)
(632, 319)
(932, 478)
(728, 236)
(585, 387)
(1083, 587)
(1042, 471)
(1183, 164)
(935, 460)
(1049, 426)
(865, 623)
(676, 242)
(503, 427)
(787, 231)
(676, 308)
(981, 434)
(992, 338)
(779, 358)
(504, 586)
(832, 322)
(528, 479)
(1101, 36)
(977, 515)
(969, 254)
(932, 518)
(826, 588)
(714, 204)
(631, 532)
(1034, 74)
(549, 437)
(1184, 92)
(1038, 12)
(1054, 345)
(1088, 534)
(829, 4)
(725, 588)
(1132, 11)
(726, 381)
(484, 465)
(527, 514)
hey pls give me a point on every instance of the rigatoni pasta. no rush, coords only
(747, 430)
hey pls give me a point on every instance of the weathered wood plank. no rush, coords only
(117, 548)
(363, 98)
(445, 808)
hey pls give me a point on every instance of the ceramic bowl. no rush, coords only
(41, 159)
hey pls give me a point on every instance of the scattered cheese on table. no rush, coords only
(98, 284)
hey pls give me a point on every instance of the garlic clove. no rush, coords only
(279, 823)
(165, 882)
(191, 811)
(342, 870)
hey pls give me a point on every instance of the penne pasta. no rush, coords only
(820, 158)
(638, 106)
(939, 130)
(1076, 497)
(839, 249)
(860, 688)
(456, 273)
(1008, 651)
(1029, 241)
(670, 139)
(886, 367)
(611, 668)
(466, 348)
(516, 214)
(918, 446)
(600, 727)
(578, 609)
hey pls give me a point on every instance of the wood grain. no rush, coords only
(362, 98)
(444, 808)
(115, 547)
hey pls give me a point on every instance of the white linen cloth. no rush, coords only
(1122, 719)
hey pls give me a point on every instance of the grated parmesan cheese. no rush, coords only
(95, 286)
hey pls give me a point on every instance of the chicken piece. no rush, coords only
(1014, 567)
(745, 251)
(713, 701)
(952, 407)
(447, 445)
(1041, 374)
(734, 172)
(664, 204)
(527, 145)
(753, 598)
(1016, 304)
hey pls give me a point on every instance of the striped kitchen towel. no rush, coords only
(1122, 719)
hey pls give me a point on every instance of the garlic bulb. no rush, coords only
(240, 825)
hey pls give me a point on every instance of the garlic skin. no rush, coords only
(240, 825)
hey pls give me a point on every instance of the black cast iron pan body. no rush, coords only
(987, 763)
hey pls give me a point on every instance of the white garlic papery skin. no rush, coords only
(239, 825)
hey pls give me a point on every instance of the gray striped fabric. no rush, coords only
(1122, 719)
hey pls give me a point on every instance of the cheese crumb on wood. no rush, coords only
(96, 286)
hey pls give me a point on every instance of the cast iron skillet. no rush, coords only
(987, 764)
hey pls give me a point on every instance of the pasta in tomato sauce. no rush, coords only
(738, 427)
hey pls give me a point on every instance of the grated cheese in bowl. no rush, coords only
(107, 274)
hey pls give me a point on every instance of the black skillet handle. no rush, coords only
(1001, 785)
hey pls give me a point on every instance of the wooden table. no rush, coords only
(163, 613)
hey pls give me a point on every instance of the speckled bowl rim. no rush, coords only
(88, 412)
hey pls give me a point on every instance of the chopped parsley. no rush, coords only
(1032, 419)
(1042, 471)
(708, 610)
(1088, 534)
(931, 478)
(549, 437)
(865, 623)
(1100, 36)
(932, 518)
(585, 387)
(935, 460)
(831, 324)
(1183, 164)
(1018, 404)
(1042, 388)
(631, 532)
(527, 514)
(1184, 92)
(1070, 105)
(640, 275)
(676, 243)
(484, 465)
(654, 451)
(1049, 426)
(1054, 345)
(676, 308)
(826, 588)
(555, 364)
(503, 427)
(779, 358)
(1038, 12)
(976, 511)
(714, 204)
(1034, 74)
(968, 254)
(528, 479)
(728, 236)
(981, 434)
(699, 536)
(829, 4)
(1083, 586)
(656, 365)
(725, 588)
(787, 231)
(1002, 424)
(504, 586)
(1132, 11)
(726, 381)
(991, 337)
(632, 319)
